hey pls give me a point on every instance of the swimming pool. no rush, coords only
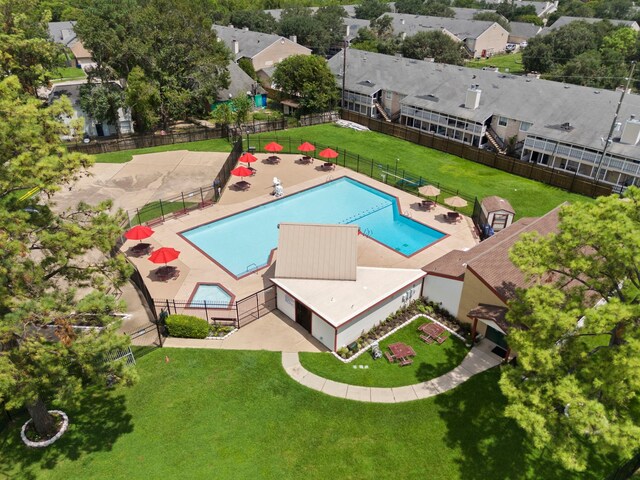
(210, 295)
(243, 242)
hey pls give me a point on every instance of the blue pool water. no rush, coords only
(242, 243)
(213, 295)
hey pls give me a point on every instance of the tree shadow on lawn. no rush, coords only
(490, 445)
(95, 426)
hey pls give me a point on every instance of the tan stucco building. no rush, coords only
(263, 49)
(476, 285)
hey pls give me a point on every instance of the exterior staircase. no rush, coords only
(495, 143)
(382, 112)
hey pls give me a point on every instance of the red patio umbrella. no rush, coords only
(272, 147)
(164, 255)
(306, 147)
(138, 232)
(248, 158)
(328, 153)
(241, 172)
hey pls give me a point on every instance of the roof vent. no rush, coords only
(566, 126)
(597, 92)
(567, 86)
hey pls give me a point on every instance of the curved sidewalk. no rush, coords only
(475, 362)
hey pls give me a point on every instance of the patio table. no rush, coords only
(433, 330)
(273, 160)
(242, 185)
(401, 350)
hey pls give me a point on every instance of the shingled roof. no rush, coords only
(490, 261)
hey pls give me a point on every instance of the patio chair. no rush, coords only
(389, 357)
(428, 205)
(454, 217)
(426, 339)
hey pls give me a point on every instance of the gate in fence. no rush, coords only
(256, 305)
(116, 355)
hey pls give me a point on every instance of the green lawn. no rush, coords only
(512, 61)
(68, 73)
(528, 197)
(152, 210)
(214, 145)
(219, 414)
(430, 361)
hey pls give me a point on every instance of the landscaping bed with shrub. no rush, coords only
(398, 318)
(187, 326)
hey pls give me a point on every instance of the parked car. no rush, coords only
(511, 47)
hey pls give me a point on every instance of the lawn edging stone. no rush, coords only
(391, 332)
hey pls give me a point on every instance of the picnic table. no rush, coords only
(167, 272)
(401, 352)
(433, 331)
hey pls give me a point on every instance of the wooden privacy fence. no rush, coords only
(133, 142)
(556, 178)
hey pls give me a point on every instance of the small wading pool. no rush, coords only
(210, 295)
(242, 243)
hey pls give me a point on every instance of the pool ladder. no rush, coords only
(249, 269)
(367, 232)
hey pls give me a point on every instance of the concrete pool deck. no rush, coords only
(196, 268)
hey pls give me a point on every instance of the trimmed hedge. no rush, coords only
(187, 326)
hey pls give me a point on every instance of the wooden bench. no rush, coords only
(405, 361)
(426, 339)
(389, 357)
(441, 339)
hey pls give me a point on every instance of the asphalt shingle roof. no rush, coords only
(545, 104)
(250, 43)
(462, 29)
(562, 21)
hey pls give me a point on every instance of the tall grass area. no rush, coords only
(214, 145)
(221, 414)
(528, 197)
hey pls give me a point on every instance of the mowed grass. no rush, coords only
(154, 210)
(68, 73)
(219, 414)
(430, 361)
(528, 197)
(511, 61)
(123, 156)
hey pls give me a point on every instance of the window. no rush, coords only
(502, 121)
(524, 126)
(388, 95)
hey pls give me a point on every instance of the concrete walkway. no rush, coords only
(477, 360)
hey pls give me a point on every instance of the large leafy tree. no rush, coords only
(576, 383)
(320, 31)
(46, 256)
(371, 9)
(25, 50)
(143, 97)
(103, 101)
(177, 51)
(308, 79)
(254, 20)
(434, 44)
